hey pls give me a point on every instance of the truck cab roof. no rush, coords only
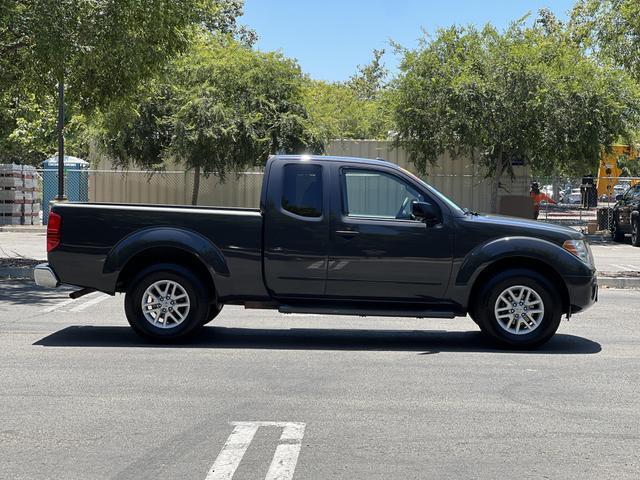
(334, 158)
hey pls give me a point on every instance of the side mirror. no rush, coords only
(619, 197)
(426, 212)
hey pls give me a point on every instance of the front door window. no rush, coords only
(373, 194)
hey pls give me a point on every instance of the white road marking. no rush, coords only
(89, 300)
(234, 449)
(284, 460)
(622, 267)
(58, 305)
(90, 303)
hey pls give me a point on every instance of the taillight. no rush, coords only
(53, 231)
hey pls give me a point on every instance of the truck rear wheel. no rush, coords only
(166, 303)
(518, 308)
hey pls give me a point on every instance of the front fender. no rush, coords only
(167, 237)
(531, 248)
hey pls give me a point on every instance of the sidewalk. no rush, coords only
(27, 243)
(618, 264)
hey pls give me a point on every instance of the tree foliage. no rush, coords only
(526, 93)
(101, 49)
(357, 108)
(611, 28)
(221, 107)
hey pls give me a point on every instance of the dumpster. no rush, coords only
(76, 182)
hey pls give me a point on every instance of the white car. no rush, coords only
(574, 197)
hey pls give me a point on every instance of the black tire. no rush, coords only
(635, 232)
(616, 234)
(494, 287)
(214, 310)
(194, 316)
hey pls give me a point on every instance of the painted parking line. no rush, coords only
(286, 457)
(58, 305)
(84, 302)
(627, 268)
(90, 303)
(284, 460)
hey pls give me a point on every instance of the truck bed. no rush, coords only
(93, 233)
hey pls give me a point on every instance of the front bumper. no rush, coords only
(583, 292)
(44, 276)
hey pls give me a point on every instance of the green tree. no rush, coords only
(526, 93)
(101, 50)
(220, 108)
(357, 108)
(611, 28)
(370, 82)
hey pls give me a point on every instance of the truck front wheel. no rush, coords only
(214, 310)
(166, 303)
(518, 308)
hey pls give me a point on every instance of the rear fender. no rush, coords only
(167, 237)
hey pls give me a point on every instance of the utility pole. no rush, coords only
(61, 196)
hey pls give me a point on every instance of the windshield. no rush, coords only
(450, 203)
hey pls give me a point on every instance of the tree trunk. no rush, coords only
(196, 185)
(495, 186)
(60, 134)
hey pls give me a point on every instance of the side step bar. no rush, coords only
(368, 312)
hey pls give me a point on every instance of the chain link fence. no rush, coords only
(584, 203)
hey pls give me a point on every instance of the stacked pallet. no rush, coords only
(19, 199)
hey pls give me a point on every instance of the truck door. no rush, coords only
(296, 224)
(378, 250)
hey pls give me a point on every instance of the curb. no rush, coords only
(619, 282)
(19, 229)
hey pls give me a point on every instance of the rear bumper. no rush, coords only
(44, 276)
(583, 292)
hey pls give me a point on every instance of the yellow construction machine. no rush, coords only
(609, 171)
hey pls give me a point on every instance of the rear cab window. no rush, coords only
(302, 192)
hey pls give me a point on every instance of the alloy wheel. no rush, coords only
(165, 304)
(519, 310)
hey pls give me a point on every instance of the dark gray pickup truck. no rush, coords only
(342, 236)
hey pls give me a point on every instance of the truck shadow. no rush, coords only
(26, 292)
(423, 341)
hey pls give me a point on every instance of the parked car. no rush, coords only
(574, 197)
(332, 236)
(626, 216)
(618, 189)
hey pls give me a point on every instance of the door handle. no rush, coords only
(347, 233)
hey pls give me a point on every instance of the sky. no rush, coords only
(330, 38)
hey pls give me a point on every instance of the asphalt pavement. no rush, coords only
(262, 395)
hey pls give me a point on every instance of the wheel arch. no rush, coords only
(165, 245)
(520, 262)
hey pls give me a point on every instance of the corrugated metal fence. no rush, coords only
(459, 179)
